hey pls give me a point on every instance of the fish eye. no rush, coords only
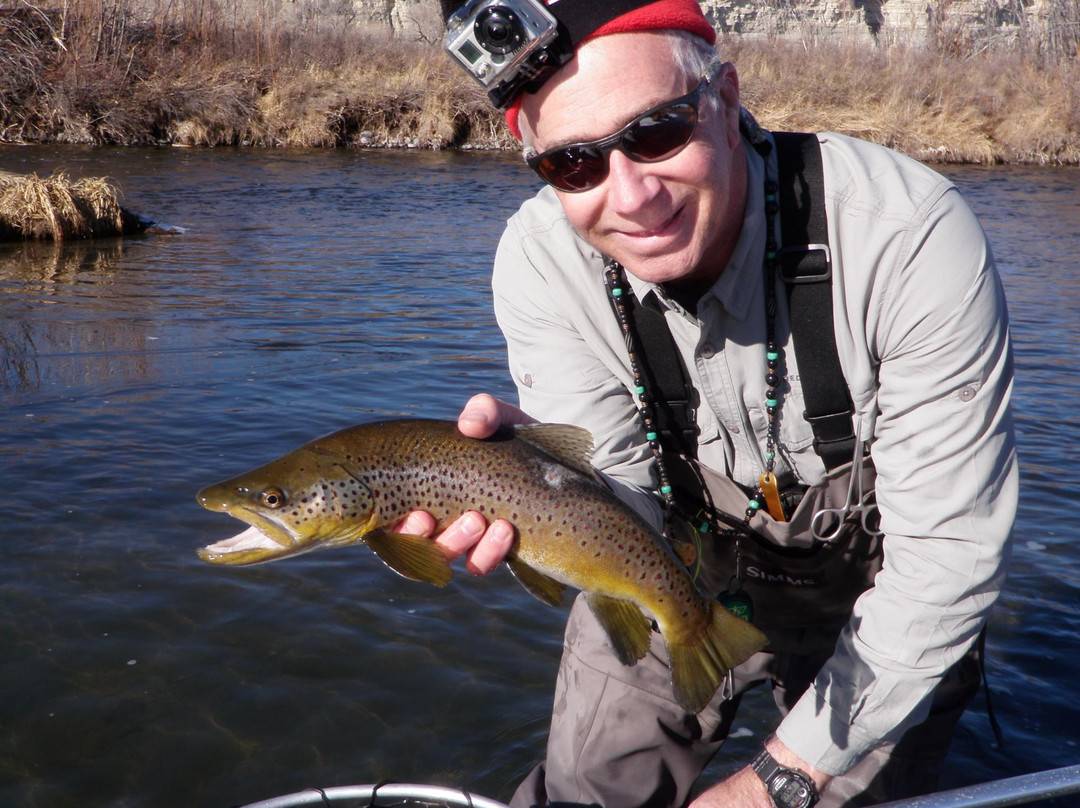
(273, 497)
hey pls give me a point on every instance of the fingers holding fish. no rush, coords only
(485, 546)
(417, 523)
(492, 548)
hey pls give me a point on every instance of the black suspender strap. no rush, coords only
(670, 390)
(806, 269)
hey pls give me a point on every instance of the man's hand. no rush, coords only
(470, 535)
(744, 789)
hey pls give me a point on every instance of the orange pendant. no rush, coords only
(771, 492)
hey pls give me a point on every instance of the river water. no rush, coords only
(316, 289)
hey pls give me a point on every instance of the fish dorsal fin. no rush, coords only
(570, 445)
(628, 630)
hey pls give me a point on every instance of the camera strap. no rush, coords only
(581, 17)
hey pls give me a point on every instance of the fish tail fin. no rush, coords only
(698, 667)
(414, 557)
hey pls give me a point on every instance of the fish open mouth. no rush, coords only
(253, 546)
(251, 540)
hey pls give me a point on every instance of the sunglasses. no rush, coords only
(658, 134)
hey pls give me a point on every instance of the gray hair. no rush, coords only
(690, 53)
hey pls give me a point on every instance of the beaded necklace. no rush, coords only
(766, 494)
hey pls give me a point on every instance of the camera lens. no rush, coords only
(498, 30)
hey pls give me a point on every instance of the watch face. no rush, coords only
(790, 791)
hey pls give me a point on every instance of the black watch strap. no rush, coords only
(788, 788)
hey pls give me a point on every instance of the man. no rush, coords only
(670, 202)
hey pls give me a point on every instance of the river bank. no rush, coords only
(83, 76)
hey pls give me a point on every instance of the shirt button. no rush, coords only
(707, 351)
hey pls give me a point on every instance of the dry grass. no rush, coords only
(985, 108)
(200, 73)
(55, 208)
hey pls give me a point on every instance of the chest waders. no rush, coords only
(791, 581)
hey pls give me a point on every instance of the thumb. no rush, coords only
(483, 414)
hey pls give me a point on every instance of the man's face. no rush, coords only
(676, 221)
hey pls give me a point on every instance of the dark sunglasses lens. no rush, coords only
(656, 136)
(574, 169)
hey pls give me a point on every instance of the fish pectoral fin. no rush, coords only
(414, 557)
(540, 586)
(629, 631)
(698, 667)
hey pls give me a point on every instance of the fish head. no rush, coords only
(307, 499)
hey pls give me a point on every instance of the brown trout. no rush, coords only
(352, 486)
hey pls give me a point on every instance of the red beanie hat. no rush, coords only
(679, 15)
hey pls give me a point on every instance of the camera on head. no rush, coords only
(504, 44)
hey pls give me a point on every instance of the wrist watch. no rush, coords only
(788, 788)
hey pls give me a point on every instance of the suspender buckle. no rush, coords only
(805, 263)
(831, 427)
(834, 439)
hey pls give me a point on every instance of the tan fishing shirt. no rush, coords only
(922, 335)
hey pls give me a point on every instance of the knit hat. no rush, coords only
(680, 15)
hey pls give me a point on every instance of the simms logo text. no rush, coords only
(758, 574)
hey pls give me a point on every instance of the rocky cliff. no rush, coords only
(869, 20)
(888, 20)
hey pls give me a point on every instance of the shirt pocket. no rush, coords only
(797, 438)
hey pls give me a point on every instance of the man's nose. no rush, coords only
(630, 185)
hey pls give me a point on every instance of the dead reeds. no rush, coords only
(56, 208)
(314, 74)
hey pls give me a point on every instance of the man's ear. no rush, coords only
(727, 85)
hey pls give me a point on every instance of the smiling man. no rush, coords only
(660, 293)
